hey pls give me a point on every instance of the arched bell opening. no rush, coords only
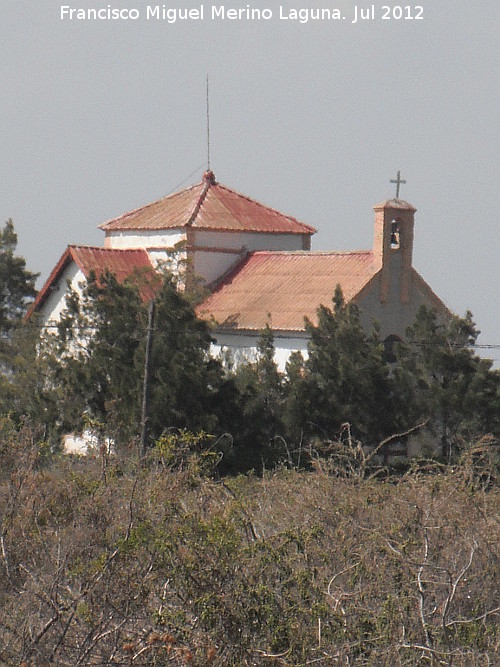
(395, 235)
(390, 344)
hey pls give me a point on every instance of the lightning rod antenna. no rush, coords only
(208, 127)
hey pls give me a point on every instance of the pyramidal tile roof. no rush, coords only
(121, 263)
(209, 206)
(281, 288)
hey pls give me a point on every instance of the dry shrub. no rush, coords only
(162, 566)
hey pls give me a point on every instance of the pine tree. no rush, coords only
(295, 415)
(260, 435)
(17, 345)
(443, 379)
(346, 376)
(94, 358)
(187, 382)
(17, 284)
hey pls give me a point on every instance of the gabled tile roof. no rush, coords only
(210, 206)
(280, 288)
(122, 263)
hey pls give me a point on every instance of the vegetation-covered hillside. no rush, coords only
(106, 563)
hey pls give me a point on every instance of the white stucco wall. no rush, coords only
(248, 240)
(212, 265)
(243, 347)
(147, 238)
(88, 443)
(161, 259)
(393, 316)
(168, 238)
(56, 301)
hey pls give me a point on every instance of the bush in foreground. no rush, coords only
(103, 562)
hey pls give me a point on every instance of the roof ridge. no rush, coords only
(103, 248)
(310, 253)
(199, 203)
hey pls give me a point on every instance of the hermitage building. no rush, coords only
(257, 265)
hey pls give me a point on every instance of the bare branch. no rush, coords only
(464, 621)
(421, 593)
(395, 436)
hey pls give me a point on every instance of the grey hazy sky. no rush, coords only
(99, 117)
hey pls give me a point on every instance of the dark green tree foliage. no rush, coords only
(295, 413)
(189, 389)
(346, 377)
(17, 284)
(22, 382)
(17, 345)
(259, 437)
(97, 359)
(441, 378)
(96, 364)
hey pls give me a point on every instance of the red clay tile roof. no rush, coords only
(280, 288)
(209, 206)
(122, 263)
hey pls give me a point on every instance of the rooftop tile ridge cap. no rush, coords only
(75, 256)
(311, 253)
(128, 214)
(268, 208)
(78, 246)
(207, 184)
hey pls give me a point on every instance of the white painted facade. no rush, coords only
(242, 347)
(88, 443)
(248, 240)
(51, 310)
(211, 265)
(147, 238)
